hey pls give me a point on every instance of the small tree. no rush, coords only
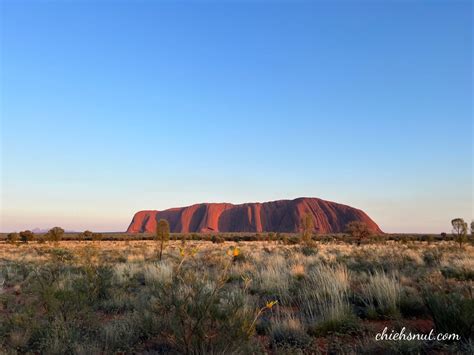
(13, 237)
(162, 234)
(217, 238)
(459, 230)
(55, 234)
(472, 229)
(278, 238)
(27, 236)
(271, 236)
(87, 234)
(358, 230)
(307, 227)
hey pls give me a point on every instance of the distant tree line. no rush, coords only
(357, 232)
(54, 235)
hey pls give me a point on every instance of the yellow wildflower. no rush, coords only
(271, 304)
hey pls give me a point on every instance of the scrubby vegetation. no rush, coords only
(226, 297)
(280, 238)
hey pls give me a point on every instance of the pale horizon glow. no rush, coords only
(111, 107)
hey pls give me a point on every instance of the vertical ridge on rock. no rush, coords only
(275, 216)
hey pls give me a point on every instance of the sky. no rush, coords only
(110, 107)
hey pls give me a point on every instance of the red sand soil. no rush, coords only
(414, 324)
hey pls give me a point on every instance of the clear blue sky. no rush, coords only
(109, 107)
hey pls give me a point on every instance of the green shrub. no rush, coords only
(428, 238)
(217, 239)
(342, 325)
(27, 236)
(309, 249)
(87, 235)
(358, 230)
(432, 257)
(13, 237)
(55, 234)
(61, 255)
(289, 332)
(122, 334)
(263, 326)
(411, 303)
(270, 237)
(452, 313)
(458, 273)
(59, 315)
(41, 239)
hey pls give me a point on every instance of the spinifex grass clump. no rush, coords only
(323, 299)
(432, 257)
(271, 278)
(381, 295)
(288, 331)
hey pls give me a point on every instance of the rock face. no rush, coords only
(276, 216)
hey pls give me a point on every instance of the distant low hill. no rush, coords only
(276, 216)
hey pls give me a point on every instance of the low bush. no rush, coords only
(452, 313)
(458, 273)
(340, 325)
(309, 249)
(411, 303)
(217, 239)
(27, 236)
(289, 332)
(13, 237)
(432, 257)
(55, 234)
